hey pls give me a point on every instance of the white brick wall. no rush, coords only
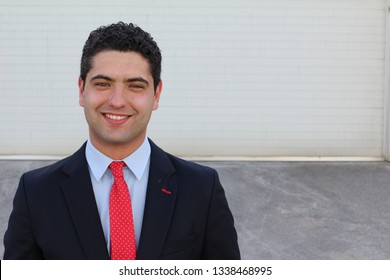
(241, 78)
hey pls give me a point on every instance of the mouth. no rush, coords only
(116, 119)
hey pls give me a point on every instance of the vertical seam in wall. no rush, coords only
(386, 134)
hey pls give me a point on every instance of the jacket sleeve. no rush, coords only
(19, 242)
(221, 238)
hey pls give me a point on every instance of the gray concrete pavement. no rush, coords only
(287, 210)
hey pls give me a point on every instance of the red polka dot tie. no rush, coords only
(123, 245)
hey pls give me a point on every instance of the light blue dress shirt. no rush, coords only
(136, 175)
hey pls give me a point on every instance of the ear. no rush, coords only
(81, 92)
(157, 95)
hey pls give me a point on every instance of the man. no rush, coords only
(120, 196)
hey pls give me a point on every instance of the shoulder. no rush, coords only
(185, 169)
(162, 158)
(182, 165)
(47, 170)
(54, 171)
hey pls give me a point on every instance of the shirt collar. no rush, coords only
(136, 162)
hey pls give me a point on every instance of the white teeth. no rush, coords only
(115, 117)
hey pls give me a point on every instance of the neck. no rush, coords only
(118, 151)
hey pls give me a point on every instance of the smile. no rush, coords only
(115, 117)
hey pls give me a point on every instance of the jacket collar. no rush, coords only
(159, 206)
(80, 199)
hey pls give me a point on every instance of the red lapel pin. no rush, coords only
(164, 190)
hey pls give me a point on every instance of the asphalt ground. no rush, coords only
(287, 210)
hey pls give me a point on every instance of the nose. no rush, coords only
(117, 98)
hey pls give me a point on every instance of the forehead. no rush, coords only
(120, 63)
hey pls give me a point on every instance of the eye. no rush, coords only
(102, 84)
(137, 86)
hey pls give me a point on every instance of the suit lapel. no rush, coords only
(78, 193)
(159, 205)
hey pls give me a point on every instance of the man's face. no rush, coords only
(118, 99)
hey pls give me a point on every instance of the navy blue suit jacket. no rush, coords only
(55, 214)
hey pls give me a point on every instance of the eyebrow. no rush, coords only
(137, 79)
(103, 77)
(130, 80)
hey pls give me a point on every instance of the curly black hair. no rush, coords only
(122, 37)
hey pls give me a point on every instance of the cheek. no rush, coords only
(141, 104)
(92, 100)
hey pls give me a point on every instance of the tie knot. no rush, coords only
(116, 168)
